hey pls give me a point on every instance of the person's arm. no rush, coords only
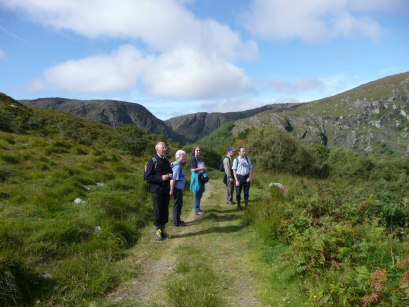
(193, 166)
(172, 186)
(250, 171)
(176, 172)
(227, 169)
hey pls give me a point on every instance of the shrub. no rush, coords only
(35, 123)
(133, 140)
(277, 151)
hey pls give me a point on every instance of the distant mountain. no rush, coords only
(109, 112)
(185, 128)
(373, 117)
(197, 125)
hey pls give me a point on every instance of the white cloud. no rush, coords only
(188, 73)
(98, 73)
(301, 85)
(316, 20)
(180, 73)
(2, 54)
(162, 24)
(188, 57)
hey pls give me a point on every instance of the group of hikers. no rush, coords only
(168, 180)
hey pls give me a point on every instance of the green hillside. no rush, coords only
(53, 251)
(325, 226)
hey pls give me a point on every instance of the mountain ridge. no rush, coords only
(372, 117)
(197, 125)
(106, 111)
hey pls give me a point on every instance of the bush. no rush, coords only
(133, 140)
(277, 151)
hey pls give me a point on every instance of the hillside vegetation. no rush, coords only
(52, 250)
(342, 218)
(329, 225)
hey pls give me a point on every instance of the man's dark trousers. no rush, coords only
(160, 209)
(246, 186)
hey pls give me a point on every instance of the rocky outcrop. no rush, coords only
(197, 125)
(373, 117)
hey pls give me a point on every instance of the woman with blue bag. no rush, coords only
(199, 178)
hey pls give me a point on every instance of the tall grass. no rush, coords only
(52, 251)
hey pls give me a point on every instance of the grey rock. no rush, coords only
(79, 201)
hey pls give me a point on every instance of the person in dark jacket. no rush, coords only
(159, 173)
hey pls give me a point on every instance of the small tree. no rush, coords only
(133, 140)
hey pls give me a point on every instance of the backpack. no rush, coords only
(155, 162)
(220, 167)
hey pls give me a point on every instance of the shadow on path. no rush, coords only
(220, 218)
(224, 229)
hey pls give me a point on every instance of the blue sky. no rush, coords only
(184, 56)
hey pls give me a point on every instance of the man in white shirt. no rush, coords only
(242, 168)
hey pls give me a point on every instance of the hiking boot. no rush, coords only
(164, 233)
(246, 203)
(158, 235)
(239, 206)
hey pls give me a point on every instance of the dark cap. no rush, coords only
(230, 149)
